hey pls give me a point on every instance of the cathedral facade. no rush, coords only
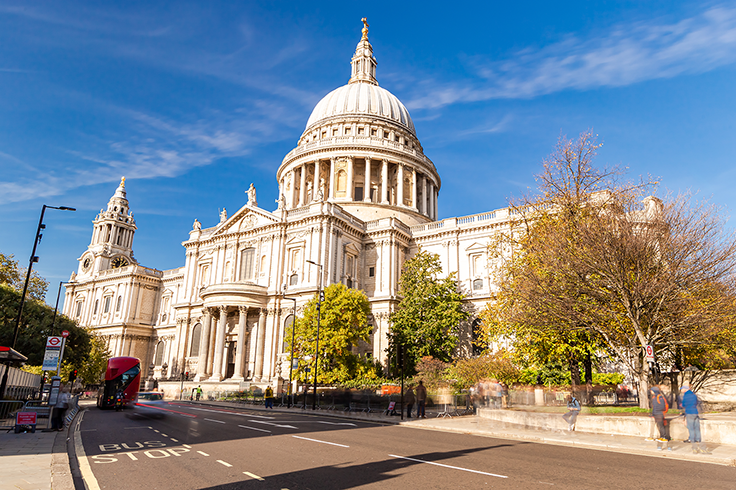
(357, 198)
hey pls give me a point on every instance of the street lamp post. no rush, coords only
(32, 260)
(291, 362)
(316, 350)
(56, 307)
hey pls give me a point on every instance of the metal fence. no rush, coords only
(21, 384)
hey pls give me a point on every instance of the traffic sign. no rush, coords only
(65, 333)
(53, 342)
(650, 353)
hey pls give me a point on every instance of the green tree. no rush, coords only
(427, 320)
(343, 324)
(14, 276)
(92, 369)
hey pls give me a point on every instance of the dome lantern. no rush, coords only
(363, 62)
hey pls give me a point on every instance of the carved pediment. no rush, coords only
(246, 218)
(476, 247)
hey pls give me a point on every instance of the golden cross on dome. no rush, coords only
(365, 27)
(122, 182)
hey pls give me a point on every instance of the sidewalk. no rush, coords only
(724, 454)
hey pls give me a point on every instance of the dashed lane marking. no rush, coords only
(254, 428)
(323, 442)
(335, 423)
(164, 435)
(447, 466)
(203, 453)
(228, 412)
(218, 421)
(156, 431)
(187, 446)
(248, 473)
(175, 440)
(224, 463)
(272, 423)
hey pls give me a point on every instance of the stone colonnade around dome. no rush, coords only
(361, 179)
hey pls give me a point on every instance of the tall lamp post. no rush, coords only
(291, 363)
(56, 307)
(32, 260)
(316, 350)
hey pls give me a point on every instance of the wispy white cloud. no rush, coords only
(628, 54)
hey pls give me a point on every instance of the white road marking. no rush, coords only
(253, 428)
(323, 442)
(175, 440)
(218, 421)
(252, 475)
(129, 428)
(448, 466)
(156, 431)
(224, 463)
(335, 423)
(187, 446)
(271, 423)
(84, 466)
(164, 435)
(203, 453)
(233, 413)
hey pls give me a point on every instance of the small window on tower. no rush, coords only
(324, 134)
(371, 272)
(334, 132)
(374, 132)
(360, 131)
(347, 131)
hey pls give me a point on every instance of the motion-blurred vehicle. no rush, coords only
(149, 405)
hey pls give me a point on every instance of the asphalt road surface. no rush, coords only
(185, 446)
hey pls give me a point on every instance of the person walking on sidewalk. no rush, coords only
(421, 400)
(199, 391)
(409, 400)
(268, 397)
(660, 406)
(573, 407)
(692, 417)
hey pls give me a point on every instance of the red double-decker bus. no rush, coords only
(122, 374)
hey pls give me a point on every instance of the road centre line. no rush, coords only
(232, 413)
(187, 446)
(203, 453)
(175, 440)
(224, 463)
(218, 421)
(335, 423)
(447, 466)
(253, 476)
(164, 435)
(273, 424)
(323, 442)
(253, 428)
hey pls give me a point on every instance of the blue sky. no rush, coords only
(193, 101)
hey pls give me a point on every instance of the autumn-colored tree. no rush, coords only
(343, 324)
(427, 320)
(589, 258)
(14, 276)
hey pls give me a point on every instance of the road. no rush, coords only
(186, 446)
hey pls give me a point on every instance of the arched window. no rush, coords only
(247, 257)
(160, 353)
(287, 333)
(106, 309)
(97, 304)
(477, 284)
(293, 279)
(119, 303)
(196, 334)
(342, 181)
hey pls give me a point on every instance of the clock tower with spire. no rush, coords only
(112, 238)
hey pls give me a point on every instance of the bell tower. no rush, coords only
(112, 237)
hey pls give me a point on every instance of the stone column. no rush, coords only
(423, 208)
(219, 345)
(351, 183)
(414, 189)
(400, 185)
(239, 373)
(384, 183)
(303, 188)
(315, 184)
(432, 201)
(332, 178)
(204, 345)
(261, 344)
(367, 184)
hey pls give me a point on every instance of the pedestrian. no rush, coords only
(660, 406)
(573, 410)
(692, 417)
(409, 399)
(199, 391)
(62, 403)
(421, 400)
(268, 397)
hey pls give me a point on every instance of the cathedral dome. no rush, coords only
(361, 99)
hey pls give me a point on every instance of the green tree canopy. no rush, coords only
(343, 324)
(14, 276)
(427, 320)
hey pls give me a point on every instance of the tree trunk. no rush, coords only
(574, 374)
(643, 375)
(588, 366)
